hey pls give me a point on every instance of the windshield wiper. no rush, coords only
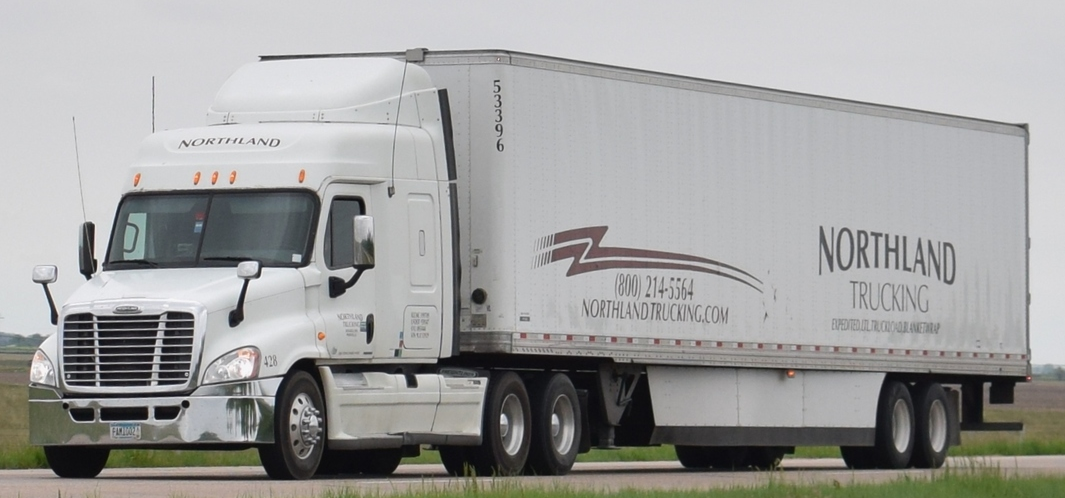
(236, 259)
(140, 263)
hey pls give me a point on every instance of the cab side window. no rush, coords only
(339, 234)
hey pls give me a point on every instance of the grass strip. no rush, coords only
(984, 483)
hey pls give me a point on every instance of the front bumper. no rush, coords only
(228, 414)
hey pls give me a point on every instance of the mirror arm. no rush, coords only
(237, 315)
(51, 304)
(337, 285)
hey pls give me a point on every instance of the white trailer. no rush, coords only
(513, 258)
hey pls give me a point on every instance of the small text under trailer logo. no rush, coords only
(125, 431)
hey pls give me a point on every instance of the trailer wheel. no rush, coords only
(694, 457)
(506, 428)
(764, 457)
(82, 462)
(456, 460)
(299, 428)
(556, 427)
(934, 421)
(894, 426)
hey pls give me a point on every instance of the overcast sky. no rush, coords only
(1003, 61)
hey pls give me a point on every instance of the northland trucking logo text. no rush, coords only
(846, 250)
(651, 295)
(249, 141)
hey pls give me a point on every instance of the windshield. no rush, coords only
(212, 229)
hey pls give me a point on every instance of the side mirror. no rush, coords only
(249, 270)
(364, 250)
(86, 250)
(44, 275)
(363, 255)
(246, 271)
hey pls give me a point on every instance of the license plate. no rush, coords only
(125, 431)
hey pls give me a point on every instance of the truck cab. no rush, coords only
(230, 298)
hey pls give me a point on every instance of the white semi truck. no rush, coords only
(513, 258)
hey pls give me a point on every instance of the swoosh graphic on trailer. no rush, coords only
(583, 246)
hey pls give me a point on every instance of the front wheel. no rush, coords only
(82, 462)
(299, 430)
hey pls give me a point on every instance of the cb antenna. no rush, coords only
(77, 161)
(412, 55)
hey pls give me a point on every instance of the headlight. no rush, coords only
(41, 370)
(240, 364)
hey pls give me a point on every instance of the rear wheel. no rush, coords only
(556, 427)
(299, 430)
(506, 428)
(933, 423)
(858, 457)
(895, 426)
(82, 462)
(456, 460)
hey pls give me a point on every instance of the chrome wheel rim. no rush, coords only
(304, 426)
(511, 424)
(937, 426)
(563, 425)
(901, 426)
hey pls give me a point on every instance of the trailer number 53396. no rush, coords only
(497, 106)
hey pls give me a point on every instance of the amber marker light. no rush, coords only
(136, 179)
(196, 178)
(321, 336)
(303, 175)
(232, 177)
(214, 178)
(789, 374)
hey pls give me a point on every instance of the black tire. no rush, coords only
(556, 427)
(728, 457)
(506, 428)
(934, 421)
(299, 430)
(895, 426)
(382, 462)
(80, 462)
(764, 457)
(694, 457)
(456, 460)
(335, 462)
(859, 457)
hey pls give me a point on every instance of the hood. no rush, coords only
(214, 288)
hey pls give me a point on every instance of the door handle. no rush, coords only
(369, 328)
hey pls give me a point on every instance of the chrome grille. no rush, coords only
(127, 351)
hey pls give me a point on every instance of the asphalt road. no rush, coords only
(252, 481)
